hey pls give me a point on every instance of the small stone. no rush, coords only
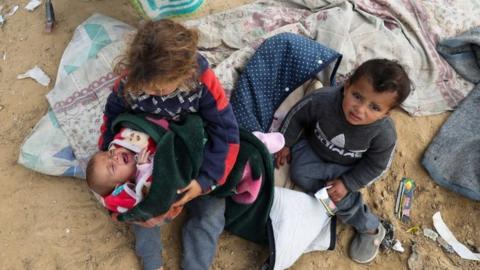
(470, 242)
(67, 230)
(415, 261)
(2, 107)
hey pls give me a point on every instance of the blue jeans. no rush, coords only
(200, 235)
(311, 173)
(148, 246)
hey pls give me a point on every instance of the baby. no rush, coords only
(121, 176)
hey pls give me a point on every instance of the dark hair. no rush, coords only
(385, 75)
(161, 51)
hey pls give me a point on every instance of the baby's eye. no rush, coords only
(375, 107)
(356, 96)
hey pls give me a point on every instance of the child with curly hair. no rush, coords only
(164, 76)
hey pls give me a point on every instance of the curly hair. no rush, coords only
(385, 76)
(161, 51)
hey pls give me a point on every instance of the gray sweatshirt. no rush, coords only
(319, 118)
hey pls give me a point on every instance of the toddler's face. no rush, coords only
(362, 105)
(116, 166)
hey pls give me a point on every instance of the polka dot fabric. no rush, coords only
(280, 65)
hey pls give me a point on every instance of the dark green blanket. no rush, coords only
(177, 160)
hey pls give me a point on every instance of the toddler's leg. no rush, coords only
(370, 232)
(351, 210)
(201, 231)
(309, 171)
(148, 246)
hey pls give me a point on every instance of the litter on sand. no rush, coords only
(389, 240)
(404, 200)
(413, 229)
(430, 234)
(448, 236)
(445, 245)
(37, 74)
(33, 4)
(12, 11)
(398, 246)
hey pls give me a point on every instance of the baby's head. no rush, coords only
(161, 57)
(376, 87)
(106, 170)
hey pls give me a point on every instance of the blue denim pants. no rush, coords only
(200, 233)
(311, 173)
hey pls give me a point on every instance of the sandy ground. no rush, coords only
(54, 223)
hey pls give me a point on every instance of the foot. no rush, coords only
(364, 247)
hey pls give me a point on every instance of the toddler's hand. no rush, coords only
(337, 190)
(143, 156)
(282, 156)
(191, 191)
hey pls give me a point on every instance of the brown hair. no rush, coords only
(385, 76)
(161, 51)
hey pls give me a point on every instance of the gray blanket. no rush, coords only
(453, 158)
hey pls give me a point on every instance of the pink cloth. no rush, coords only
(129, 194)
(248, 188)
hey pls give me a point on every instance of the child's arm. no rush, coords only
(292, 127)
(222, 147)
(299, 116)
(115, 105)
(374, 162)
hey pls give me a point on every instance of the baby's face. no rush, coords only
(116, 166)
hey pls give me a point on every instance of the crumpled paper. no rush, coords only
(448, 236)
(37, 74)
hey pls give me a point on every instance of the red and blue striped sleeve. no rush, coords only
(115, 105)
(221, 126)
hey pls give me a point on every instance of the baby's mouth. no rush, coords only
(355, 117)
(125, 158)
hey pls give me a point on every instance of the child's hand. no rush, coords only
(282, 156)
(337, 190)
(191, 191)
(143, 156)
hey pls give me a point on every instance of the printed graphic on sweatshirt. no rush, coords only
(337, 144)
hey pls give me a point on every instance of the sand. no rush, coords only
(51, 222)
